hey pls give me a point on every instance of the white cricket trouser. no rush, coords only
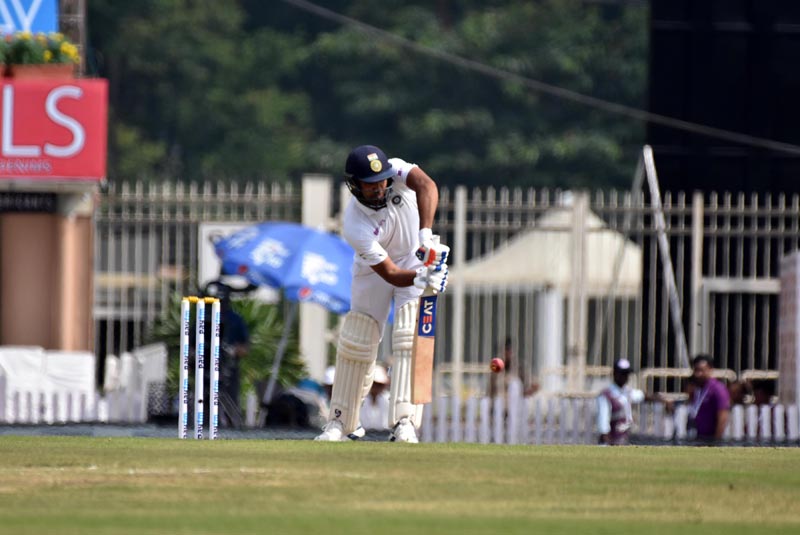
(371, 295)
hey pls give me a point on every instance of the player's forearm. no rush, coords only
(402, 279)
(394, 275)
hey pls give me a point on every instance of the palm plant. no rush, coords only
(265, 325)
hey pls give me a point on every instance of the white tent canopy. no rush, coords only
(543, 257)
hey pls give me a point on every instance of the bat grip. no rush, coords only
(434, 239)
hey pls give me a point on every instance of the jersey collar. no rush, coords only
(368, 211)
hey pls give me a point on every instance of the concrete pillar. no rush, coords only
(74, 328)
(459, 291)
(550, 340)
(789, 331)
(46, 270)
(317, 194)
(578, 300)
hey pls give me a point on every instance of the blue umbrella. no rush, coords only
(309, 265)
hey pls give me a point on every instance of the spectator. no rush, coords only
(499, 381)
(375, 409)
(614, 412)
(739, 392)
(234, 346)
(709, 404)
(303, 405)
(764, 396)
(763, 391)
(327, 381)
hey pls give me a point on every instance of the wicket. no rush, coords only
(200, 350)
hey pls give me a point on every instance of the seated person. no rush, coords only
(375, 409)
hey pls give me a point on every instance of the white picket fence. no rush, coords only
(561, 420)
(27, 407)
(520, 420)
(63, 407)
(45, 387)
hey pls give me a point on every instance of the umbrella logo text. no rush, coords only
(318, 270)
(269, 252)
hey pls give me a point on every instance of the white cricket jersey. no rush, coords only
(626, 396)
(392, 231)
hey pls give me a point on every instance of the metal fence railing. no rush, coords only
(725, 250)
(146, 247)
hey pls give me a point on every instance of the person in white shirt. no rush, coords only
(375, 409)
(614, 412)
(388, 223)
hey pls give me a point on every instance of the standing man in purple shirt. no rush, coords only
(710, 403)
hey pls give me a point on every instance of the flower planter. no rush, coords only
(45, 70)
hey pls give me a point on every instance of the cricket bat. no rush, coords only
(422, 349)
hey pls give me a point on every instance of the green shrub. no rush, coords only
(265, 323)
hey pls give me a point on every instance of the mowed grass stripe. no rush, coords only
(139, 485)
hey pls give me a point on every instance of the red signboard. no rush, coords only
(53, 129)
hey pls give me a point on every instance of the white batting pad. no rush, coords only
(400, 405)
(355, 364)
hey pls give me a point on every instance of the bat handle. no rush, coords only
(436, 241)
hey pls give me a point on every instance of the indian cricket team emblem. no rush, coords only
(374, 163)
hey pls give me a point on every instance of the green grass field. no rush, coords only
(86, 485)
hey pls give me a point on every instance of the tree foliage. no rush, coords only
(249, 89)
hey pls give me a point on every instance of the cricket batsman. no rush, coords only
(388, 223)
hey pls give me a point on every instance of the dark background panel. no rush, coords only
(730, 64)
(733, 65)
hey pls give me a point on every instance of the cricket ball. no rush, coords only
(497, 365)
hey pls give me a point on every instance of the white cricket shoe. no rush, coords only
(334, 432)
(404, 431)
(358, 433)
(331, 432)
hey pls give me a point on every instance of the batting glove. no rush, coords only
(430, 278)
(431, 253)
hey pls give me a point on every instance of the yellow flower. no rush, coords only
(40, 48)
(71, 52)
